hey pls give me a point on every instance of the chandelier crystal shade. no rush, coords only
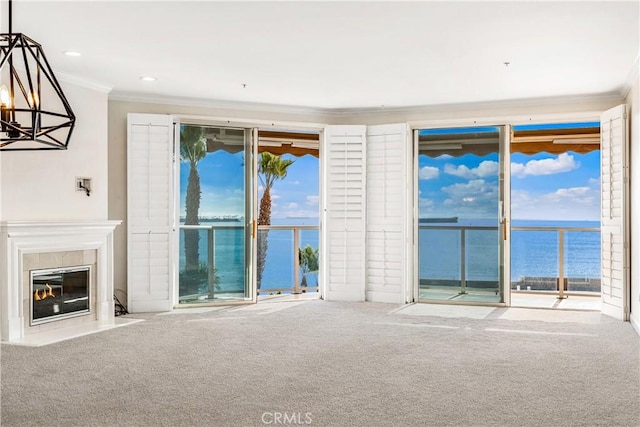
(34, 112)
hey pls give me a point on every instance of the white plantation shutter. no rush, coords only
(150, 155)
(387, 210)
(344, 216)
(614, 229)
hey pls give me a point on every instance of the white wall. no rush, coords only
(633, 100)
(40, 185)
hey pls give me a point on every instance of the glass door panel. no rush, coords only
(461, 229)
(215, 171)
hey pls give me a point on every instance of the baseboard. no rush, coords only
(636, 324)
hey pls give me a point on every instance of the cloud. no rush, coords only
(292, 205)
(428, 172)
(563, 163)
(474, 199)
(585, 196)
(425, 203)
(312, 200)
(485, 169)
(571, 203)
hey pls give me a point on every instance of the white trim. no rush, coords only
(322, 209)
(174, 255)
(470, 107)
(583, 116)
(217, 103)
(415, 281)
(354, 113)
(505, 148)
(251, 204)
(247, 123)
(78, 81)
(410, 225)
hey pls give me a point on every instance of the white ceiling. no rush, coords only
(340, 55)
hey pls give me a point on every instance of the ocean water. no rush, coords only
(533, 253)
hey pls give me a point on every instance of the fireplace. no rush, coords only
(59, 293)
(56, 280)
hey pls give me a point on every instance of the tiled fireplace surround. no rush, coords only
(26, 246)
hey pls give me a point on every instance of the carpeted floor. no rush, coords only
(332, 364)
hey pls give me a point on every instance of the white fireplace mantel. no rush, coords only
(18, 238)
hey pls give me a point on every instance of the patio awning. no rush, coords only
(556, 141)
(274, 142)
(531, 141)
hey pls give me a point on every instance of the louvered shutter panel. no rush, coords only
(344, 216)
(150, 212)
(387, 209)
(614, 228)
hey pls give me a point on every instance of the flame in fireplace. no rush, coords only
(45, 293)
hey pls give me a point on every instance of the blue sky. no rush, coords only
(222, 186)
(543, 186)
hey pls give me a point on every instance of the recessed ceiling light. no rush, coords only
(72, 53)
(148, 78)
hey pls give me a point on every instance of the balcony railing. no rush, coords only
(564, 255)
(282, 270)
(459, 256)
(464, 256)
(221, 269)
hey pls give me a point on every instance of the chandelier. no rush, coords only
(34, 112)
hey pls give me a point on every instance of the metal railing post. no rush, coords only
(561, 264)
(296, 260)
(211, 244)
(463, 263)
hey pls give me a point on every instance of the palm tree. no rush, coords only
(271, 168)
(308, 258)
(193, 148)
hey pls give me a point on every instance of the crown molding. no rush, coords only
(88, 84)
(222, 104)
(484, 105)
(607, 98)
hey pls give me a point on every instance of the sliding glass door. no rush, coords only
(463, 211)
(216, 232)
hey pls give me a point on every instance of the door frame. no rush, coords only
(510, 120)
(504, 211)
(251, 128)
(250, 177)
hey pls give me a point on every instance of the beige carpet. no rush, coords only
(330, 364)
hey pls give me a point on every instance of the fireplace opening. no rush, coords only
(59, 293)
